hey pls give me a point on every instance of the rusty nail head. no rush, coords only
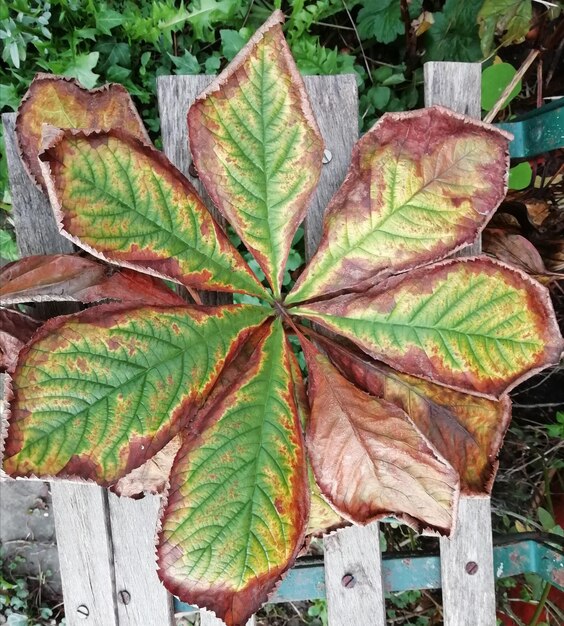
(192, 170)
(348, 581)
(124, 596)
(327, 156)
(471, 567)
(83, 611)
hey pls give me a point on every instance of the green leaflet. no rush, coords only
(98, 393)
(125, 202)
(257, 147)
(238, 502)
(475, 325)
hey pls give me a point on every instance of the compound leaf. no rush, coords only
(369, 459)
(238, 503)
(420, 186)
(257, 147)
(125, 202)
(466, 430)
(63, 103)
(473, 324)
(98, 393)
(69, 277)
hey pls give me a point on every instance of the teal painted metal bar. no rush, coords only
(306, 581)
(539, 131)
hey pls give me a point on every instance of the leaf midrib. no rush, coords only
(393, 211)
(160, 227)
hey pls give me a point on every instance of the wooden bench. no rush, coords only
(106, 544)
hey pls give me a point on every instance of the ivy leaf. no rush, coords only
(420, 186)
(9, 97)
(466, 430)
(509, 19)
(369, 459)
(98, 393)
(454, 34)
(107, 19)
(63, 103)
(71, 278)
(257, 147)
(231, 42)
(380, 19)
(113, 54)
(186, 64)
(474, 324)
(81, 66)
(125, 202)
(212, 63)
(238, 502)
(8, 246)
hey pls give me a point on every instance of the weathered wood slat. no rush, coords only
(140, 596)
(85, 553)
(36, 229)
(353, 551)
(353, 577)
(335, 103)
(80, 510)
(175, 96)
(468, 593)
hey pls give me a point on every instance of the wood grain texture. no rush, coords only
(334, 100)
(36, 228)
(458, 87)
(175, 96)
(80, 510)
(85, 553)
(141, 598)
(467, 599)
(354, 551)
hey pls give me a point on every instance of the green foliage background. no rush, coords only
(134, 41)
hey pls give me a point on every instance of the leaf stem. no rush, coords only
(540, 605)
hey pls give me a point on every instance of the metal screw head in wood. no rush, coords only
(471, 567)
(192, 170)
(124, 596)
(82, 611)
(327, 156)
(348, 581)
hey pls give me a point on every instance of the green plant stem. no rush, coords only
(540, 605)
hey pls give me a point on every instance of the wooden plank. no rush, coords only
(209, 619)
(36, 228)
(85, 553)
(458, 87)
(335, 103)
(141, 597)
(467, 569)
(352, 552)
(353, 577)
(80, 510)
(175, 96)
